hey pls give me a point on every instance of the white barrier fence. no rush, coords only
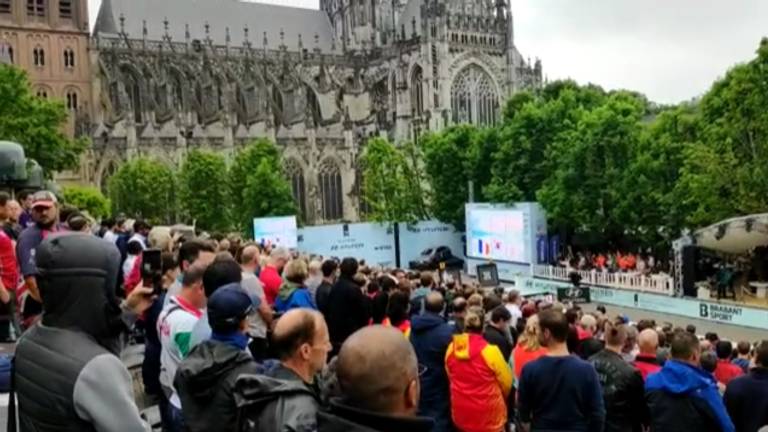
(656, 284)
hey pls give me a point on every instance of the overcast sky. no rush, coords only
(671, 50)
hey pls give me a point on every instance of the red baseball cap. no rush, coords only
(44, 199)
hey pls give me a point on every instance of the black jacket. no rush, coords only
(343, 418)
(277, 398)
(347, 311)
(205, 382)
(430, 337)
(321, 296)
(379, 307)
(497, 337)
(746, 399)
(623, 392)
(588, 347)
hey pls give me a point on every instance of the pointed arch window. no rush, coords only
(473, 97)
(417, 91)
(42, 93)
(331, 194)
(71, 99)
(69, 58)
(132, 89)
(38, 56)
(298, 187)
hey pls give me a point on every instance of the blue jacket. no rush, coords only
(293, 296)
(430, 337)
(701, 398)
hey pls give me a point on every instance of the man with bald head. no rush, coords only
(372, 400)
(430, 337)
(259, 321)
(646, 361)
(287, 395)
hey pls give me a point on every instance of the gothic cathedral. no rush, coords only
(167, 76)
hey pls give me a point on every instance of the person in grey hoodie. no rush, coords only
(68, 376)
(205, 379)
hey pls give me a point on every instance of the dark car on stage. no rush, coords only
(430, 259)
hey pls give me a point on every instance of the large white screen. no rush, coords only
(275, 231)
(496, 234)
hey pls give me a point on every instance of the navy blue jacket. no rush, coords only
(430, 336)
(746, 399)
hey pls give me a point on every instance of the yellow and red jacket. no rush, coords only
(480, 384)
(404, 326)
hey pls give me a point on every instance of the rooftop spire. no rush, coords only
(105, 21)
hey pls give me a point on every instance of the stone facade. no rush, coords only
(173, 75)
(49, 39)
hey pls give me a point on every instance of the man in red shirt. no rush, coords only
(725, 371)
(9, 273)
(270, 274)
(646, 361)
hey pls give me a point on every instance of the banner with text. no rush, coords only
(375, 243)
(687, 307)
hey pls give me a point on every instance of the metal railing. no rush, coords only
(657, 284)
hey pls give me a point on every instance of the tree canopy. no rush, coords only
(611, 168)
(144, 188)
(88, 199)
(258, 186)
(391, 184)
(36, 124)
(203, 194)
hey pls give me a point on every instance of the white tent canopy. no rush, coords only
(737, 235)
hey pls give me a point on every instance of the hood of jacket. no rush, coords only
(207, 364)
(679, 378)
(286, 289)
(420, 292)
(77, 277)
(426, 322)
(258, 390)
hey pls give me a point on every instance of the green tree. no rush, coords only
(531, 124)
(258, 186)
(144, 188)
(390, 186)
(725, 173)
(87, 199)
(581, 195)
(203, 196)
(452, 158)
(648, 202)
(36, 124)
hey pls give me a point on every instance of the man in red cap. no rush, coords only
(45, 214)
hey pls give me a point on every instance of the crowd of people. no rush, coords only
(242, 337)
(616, 261)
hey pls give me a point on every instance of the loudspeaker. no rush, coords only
(688, 270)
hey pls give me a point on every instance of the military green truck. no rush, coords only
(17, 172)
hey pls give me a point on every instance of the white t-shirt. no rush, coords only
(516, 313)
(174, 326)
(110, 236)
